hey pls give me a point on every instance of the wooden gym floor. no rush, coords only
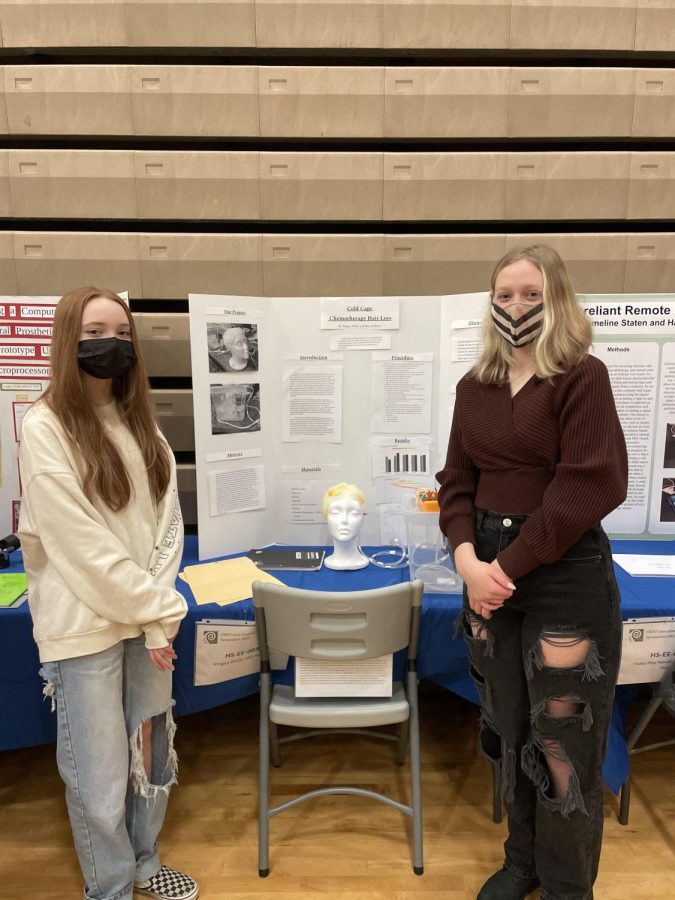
(338, 848)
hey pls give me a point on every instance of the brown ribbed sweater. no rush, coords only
(555, 452)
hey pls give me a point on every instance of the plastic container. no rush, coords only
(428, 558)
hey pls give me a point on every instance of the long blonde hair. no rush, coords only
(105, 475)
(566, 333)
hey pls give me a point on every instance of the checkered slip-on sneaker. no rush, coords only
(168, 884)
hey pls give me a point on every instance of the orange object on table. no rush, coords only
(427, 500)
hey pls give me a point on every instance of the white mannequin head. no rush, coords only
(236, 342)
(344, 509)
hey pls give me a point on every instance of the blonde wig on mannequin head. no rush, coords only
(337, 491)
(566, 334)
(105, 475)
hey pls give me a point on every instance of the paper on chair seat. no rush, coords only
(344, 678)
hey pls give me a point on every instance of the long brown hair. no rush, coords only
(566, 334)
(105, 475)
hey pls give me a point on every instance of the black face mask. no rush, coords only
(105, 357)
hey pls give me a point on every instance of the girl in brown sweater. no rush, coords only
(535, 461)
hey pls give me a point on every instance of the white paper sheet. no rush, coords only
(359, 312)
(355, 340)
(19, 410)
(344, 678)
(633, 372)
(314, 357)
(642, 565)
(461, 324)
(648, 649)
(401, 392)
(236, 490)
(466, 350)
(227, 455)
(312, 404)
(400, 455)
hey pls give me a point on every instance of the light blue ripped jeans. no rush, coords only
(116, 811)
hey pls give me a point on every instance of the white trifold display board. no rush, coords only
(337, 389)
(362, 390)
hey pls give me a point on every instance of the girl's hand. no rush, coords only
(488, 587)
(487, 584)
(485, 608)
(163, 657)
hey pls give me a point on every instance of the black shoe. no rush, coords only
(506, 885)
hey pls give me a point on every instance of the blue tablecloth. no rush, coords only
(26, 720)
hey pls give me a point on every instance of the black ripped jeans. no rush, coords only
(545, 665)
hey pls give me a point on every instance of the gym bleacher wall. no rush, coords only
(327, 147)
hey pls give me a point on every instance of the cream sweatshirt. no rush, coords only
(95, 577)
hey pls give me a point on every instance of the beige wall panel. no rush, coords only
(8, 281)
(195, 100)
(573, 24)
(459, 102)
(165, 343)
(453, 24)
(337, 186)
(567, 185)
(319, 23)
(186, 476)
(175, 265)
(569, 102)
(651, 263)
(68, 100)
(56, 262)
(73, 183)
(418, 264)
(317, 101)
(304, 265)
(4, 128)
(444, 186)
(655, 25)
(203, 185)
(651, 192)
(596, 262)
(63, 23)
(175, 417)
(6, 209)
(654, 103)
(191, 23)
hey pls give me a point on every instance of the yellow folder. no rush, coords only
(226, 581)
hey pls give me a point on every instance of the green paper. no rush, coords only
(12, 585)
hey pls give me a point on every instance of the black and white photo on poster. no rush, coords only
(232, 346)
(235, 408)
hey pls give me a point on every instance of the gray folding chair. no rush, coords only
(664, 695)
(350, 626)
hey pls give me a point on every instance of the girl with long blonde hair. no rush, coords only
(536, 459)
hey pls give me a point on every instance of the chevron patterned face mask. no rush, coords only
(521, 331)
